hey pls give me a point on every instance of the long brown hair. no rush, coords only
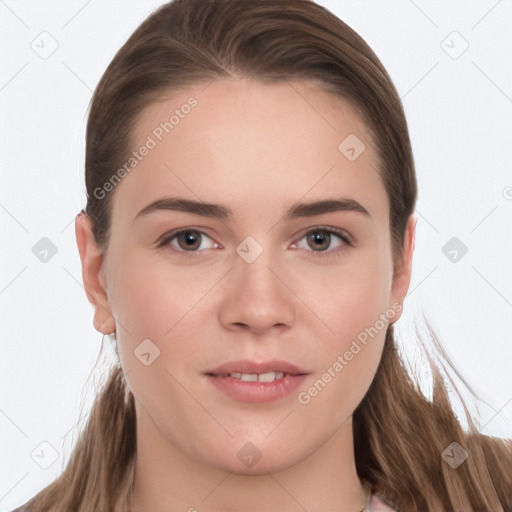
(399, 434)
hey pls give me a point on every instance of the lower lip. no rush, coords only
(255, 391)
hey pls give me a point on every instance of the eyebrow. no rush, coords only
(217, 211)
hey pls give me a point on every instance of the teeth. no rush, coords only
(270, 376)
(249, 376)
(261, 377)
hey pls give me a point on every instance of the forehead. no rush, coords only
(251, 145)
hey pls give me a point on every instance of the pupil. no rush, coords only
(190, 239)
(321, 237)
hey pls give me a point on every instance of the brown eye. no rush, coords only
(192, 241)
(189, 240)
(324, 241)
(320, 240)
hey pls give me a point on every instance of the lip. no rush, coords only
(248, 366)
(255, 391)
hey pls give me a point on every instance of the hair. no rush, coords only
(399, 433)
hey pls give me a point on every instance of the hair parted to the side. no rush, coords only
(399, 434)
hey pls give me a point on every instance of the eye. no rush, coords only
(321, 240)
(187, 240)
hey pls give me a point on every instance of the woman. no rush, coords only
(247, 245)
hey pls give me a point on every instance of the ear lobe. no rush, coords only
(92, 257)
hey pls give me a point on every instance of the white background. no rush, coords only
(459, 112)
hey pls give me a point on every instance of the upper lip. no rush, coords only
(247, 366)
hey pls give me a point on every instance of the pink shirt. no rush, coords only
(377, 504)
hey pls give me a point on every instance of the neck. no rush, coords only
(167, 480)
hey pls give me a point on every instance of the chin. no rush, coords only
(260, 468)
(254, 458)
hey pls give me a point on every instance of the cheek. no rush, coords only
(152, 296)
(356, 312)
(350, 297)
(151, 302)
(352, 301)
(157, 301)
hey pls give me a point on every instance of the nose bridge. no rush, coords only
(253, 273)
(255, 296)
(256, 277)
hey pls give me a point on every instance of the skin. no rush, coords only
(257, 149)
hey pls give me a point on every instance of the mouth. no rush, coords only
(253, 377)
(250, 381)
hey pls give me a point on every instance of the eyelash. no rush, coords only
(319, 254)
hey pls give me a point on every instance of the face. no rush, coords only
(309, 291)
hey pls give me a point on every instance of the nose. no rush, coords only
(256, 297)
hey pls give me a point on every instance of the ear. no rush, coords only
(92, 258)
(403, 269)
